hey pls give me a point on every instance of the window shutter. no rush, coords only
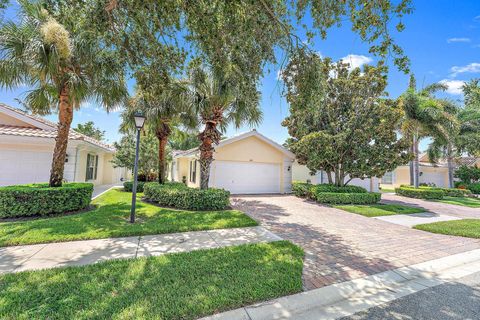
(96, 167)
(88, 162)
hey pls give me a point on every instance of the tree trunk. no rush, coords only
(416, 163)
(451, 184)
(329, 177)
(65, 116)
(208, 137)
(162, 133)
(412, 168)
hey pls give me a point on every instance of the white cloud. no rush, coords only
(356, 61)
(451, 40)
(477, 18)
(470, 68)
(454, 86)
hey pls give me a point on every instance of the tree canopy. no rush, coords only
(90, 130)
(339, 122)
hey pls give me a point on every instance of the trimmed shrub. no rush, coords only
(348, 198)
(336, 189)
(128, 186)
(40, 199)
(474, 187)
(302, 189)
(181, 197)
(420, 193)
(451, 192)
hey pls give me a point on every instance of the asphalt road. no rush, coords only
(455, 300)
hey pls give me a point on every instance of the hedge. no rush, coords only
(474, 187)
(128, 186)
(181, 197)
(40, 199)
(302, 189)
(336, 189)
(348, 198)
(420, 193)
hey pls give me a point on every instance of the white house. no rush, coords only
(26, 149)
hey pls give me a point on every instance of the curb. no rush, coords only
(347, 298)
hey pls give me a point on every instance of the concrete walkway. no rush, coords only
(410, 220)
(74, 253)
(100, 189)
(347, 298)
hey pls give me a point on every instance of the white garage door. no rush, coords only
(21, 167)
(433, 177)
(245, 177)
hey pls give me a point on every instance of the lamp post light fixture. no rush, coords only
(139, 121)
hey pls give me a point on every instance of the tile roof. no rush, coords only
(44, 133)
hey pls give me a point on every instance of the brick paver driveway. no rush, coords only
(437, 207)
(341, 246)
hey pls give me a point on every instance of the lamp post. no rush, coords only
(139, 121)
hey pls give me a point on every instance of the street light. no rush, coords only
(139, 121)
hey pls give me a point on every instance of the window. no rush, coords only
(92, 164)
(193, 171)
(387, 178)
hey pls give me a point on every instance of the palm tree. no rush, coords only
(164, 107)
(63, 69)
(425, 116)
(219, 102)
(445, 145)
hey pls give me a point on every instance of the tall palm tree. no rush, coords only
(219, 101)
(63, 68)
(445, 145)
(164, 107)
(425, 116)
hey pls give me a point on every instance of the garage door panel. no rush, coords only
(246, 177)
(21, 167)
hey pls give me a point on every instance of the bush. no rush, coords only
(302, 189)
(420, 193)
(180, 196)
(128, 186)
(474, 187)
(336, 189)
(451, 192)
(40, 199)
(348, 198)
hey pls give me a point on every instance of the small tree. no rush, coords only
(90, 130)
(64, 65)
(147, 161)
(469, 118)
(338, 121)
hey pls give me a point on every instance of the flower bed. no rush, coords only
(40, 199)
(177, 195)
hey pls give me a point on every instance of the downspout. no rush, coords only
(75, 166)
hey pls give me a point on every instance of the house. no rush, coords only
(302, 173)
(247, 163)
(26, 150)
(432, 174)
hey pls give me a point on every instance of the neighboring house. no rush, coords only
(245, 164)
(26, 150)
(433, 174)
(302, 173)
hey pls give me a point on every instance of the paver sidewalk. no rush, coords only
(432, 206)
(43, 256)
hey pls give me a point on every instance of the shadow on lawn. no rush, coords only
(329, 258)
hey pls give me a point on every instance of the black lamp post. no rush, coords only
(139, 121)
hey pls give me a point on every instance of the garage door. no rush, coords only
(245, 177)
(435, 177)
(20, 167)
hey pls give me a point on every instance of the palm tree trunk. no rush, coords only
(412, 168)
(162, 133)
(416, 163)
(208, 137)
(450, 166)
(65, 117)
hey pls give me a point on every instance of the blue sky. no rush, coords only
(442, 39)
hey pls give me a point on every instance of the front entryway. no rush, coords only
(245, 177)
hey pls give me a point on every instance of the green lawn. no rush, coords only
(175, 286)
(465, 228)
(110, 219)
(376, 210)
(466, 202)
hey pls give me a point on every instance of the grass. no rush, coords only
(110, 219)
(376, 210)
(466, 202)
(386, 190)
(175, 286)
(469, 228)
